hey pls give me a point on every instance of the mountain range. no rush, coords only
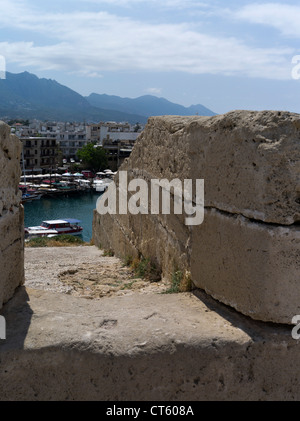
(26, 96)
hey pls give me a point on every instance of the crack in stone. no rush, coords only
(296, 224)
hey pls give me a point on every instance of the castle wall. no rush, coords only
(11, 216)
(246, 253)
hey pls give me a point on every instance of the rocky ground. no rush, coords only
(83, 271)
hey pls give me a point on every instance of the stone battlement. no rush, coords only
(243, 259)
(246, 253)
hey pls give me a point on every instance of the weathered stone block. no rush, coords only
(246, 253)
(11, 216)
(249, 160)
(251, 266)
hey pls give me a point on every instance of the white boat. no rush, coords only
(34, 232)
(54, 227)
(100, 185)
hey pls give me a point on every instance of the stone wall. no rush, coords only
(11, 216)
(246, 253)
(175, 347)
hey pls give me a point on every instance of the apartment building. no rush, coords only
(69, 143)
(64, 139)
(112, 132)
(39, 153)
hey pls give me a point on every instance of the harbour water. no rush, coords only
(76, 207)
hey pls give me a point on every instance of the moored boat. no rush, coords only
(54, 227)
(100, 185)
(28, 197)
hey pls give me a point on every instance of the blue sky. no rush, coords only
(224, 55)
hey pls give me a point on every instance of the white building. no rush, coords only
(70, 141)
(112, 132)
(70, 136)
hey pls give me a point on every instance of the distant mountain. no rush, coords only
(146, 105)
(26, 96)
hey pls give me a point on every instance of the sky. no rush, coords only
(224, 55)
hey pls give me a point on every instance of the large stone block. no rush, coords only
(249, 160)
(11, 215)
(251, 266)
(246, 253)
(10, 170)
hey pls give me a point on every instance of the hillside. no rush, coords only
(26, 96)
(146, 105)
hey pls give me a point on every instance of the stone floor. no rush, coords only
(83, 271)
(134, 344)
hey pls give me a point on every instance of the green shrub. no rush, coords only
(128, 260)
(180, 282)
(146, 269)
(176, 280)
(57, 241)
(108, 253)
(37, 242)
(65, 238)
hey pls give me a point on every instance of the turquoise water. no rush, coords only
(77, 207)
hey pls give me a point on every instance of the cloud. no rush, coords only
(178, 4)
(97, 42)
(283, 17)
(154, 91)
(88, 73)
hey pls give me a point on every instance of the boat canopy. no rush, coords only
(62, 221)
(56, 221)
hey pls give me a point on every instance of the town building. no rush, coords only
(39, 153)
(70, 142)
(49, 144)
(111, 131)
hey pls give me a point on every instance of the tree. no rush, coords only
(93, 157)
(137, 127)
